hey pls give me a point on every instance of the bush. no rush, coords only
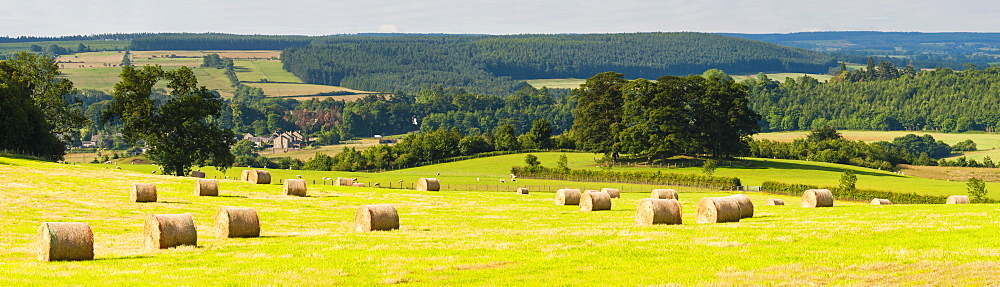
(659, 178)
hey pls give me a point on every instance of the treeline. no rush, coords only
(217, 41)
(826, 145)
(95, 37)
(428, 146)
(922, 50)
(940, 100)
(492, 64)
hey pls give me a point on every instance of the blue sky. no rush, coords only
(317, 17)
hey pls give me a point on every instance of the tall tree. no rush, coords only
(598, 113)
(35, 108)
(177, 131)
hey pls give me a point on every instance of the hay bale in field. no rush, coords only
(143, 192)
(774, 201)
(428, 184)
(879, 201)
(198, 174)
(613, 192)
(522, 190)
(376, 217)
(593, 200)
(358, 184)
(206, 187)
(817, 198)
(236, 222)
(259, 177)
(296, 187)
(664, 194)
(59, 241)
(718, 209)
(568, 196)
(746, 206)
(958, 199)
(658, 211)
(344, 182)
(169, 230)
(245, 175)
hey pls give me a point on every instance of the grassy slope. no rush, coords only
(480, 238)
(987, 143)
(266, 69)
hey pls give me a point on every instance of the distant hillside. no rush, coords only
(923, 50)
(494, 64)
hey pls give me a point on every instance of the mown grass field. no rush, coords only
(104, 79)
(456, 237)
(987, 143)
(261, 70)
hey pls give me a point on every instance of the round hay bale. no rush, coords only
(664, 194)
(593, 200)
(958, 199)
(568, 197)
(59, 241)
(718, 209)
(197, 174)
(817, 198)
(774, 201)
(376, 217)
(169, 230)
(245, 175)
(358, 184)
(613, 192)
(206, 187)
(236, 222)
(522, 190)
(259, 177)
(296, 187)
(746, 206)
(658, 211)
(344, 182)
(428, 184)
(879, 201)
(143, 192)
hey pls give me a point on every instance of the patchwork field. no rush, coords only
(263, 71)
(461, 237)
(987, 143)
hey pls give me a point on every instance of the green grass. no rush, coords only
(105, 79)
(556, 83)
(258, 70)
(987, 143)
(459, 237)
(781, 77)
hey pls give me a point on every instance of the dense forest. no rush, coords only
(922, 50)
(882, 97)
(493, 64)
(217, 41)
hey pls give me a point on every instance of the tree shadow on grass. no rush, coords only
(759, 164)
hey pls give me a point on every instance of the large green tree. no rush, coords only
(598, 113)
(34, 111)
(179, 132)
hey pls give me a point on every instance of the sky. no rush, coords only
(319, 17)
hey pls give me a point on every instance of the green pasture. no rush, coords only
(105, 79)
(781, 77)
(258, 70)
(987, 143)
(456, 237)
(556, 83)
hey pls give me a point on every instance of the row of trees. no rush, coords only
(691, 115)
(825, 144)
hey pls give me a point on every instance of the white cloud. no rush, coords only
(387, 28)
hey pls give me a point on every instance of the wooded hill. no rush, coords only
(923, 50)
(493, 64)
